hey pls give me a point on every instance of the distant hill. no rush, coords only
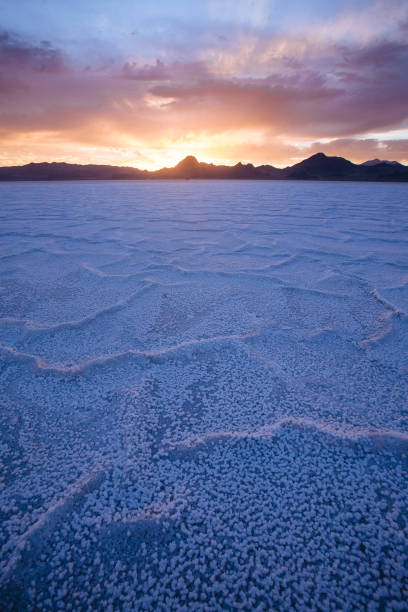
(375, 162)
(321, 167)
(57, 171)
(317, 167)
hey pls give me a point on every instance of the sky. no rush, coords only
(145, 83)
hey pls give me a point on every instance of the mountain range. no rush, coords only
(317, 167)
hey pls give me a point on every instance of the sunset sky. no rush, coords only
(144, 84)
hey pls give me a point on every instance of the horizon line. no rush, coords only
(193, 157)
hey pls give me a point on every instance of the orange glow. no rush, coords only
(252, 94)
(227, 148)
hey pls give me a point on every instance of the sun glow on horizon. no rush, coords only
(225, 148)
(272, 92)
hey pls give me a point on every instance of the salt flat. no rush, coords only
(204, 396)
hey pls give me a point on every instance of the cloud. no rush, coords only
(16, 54)
(276, 103)
(155, 72)
(380, 55)
(159, 71)
(364, 23)
(277, 89)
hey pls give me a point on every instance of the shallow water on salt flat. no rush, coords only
(203, 395)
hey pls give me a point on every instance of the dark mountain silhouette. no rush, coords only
(317, 167)
(56, 171)
(191, 168)
(321, 167)
(376, 161)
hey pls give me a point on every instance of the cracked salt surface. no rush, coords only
(203, 396)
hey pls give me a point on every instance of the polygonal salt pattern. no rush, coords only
(203, 396)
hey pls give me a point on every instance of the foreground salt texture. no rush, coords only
(204, 396)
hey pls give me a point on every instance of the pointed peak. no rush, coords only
(241, 165)
(318, 156)
(188, 162)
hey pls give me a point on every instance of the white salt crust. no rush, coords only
(203, 396)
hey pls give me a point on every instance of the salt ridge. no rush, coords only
(203, 396)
